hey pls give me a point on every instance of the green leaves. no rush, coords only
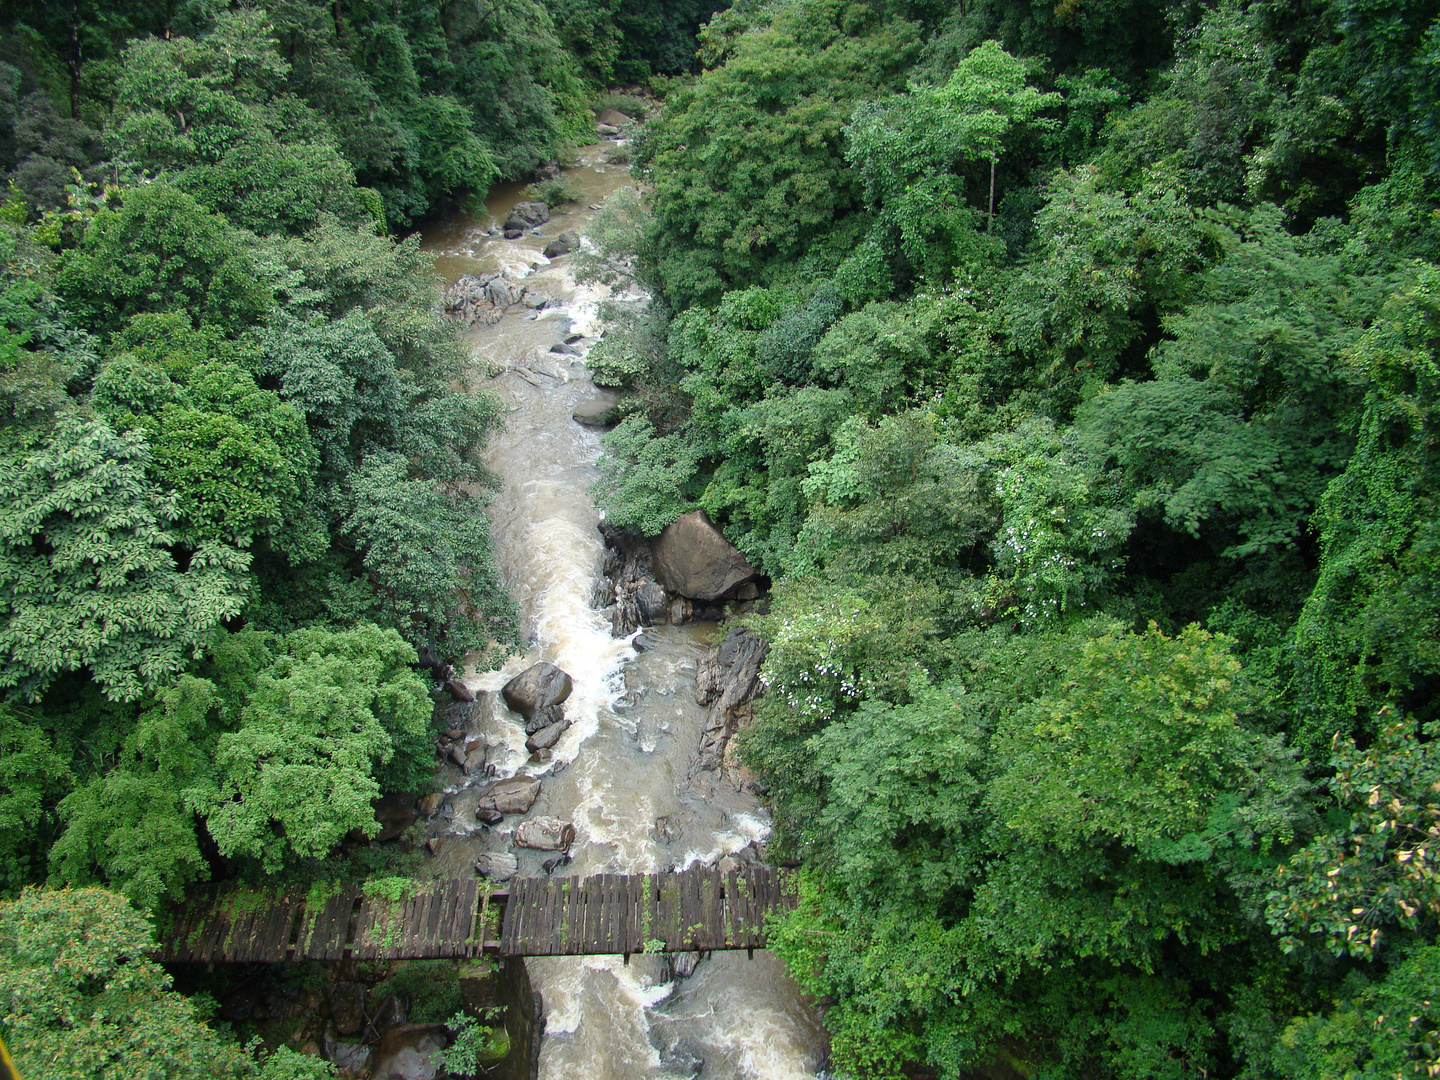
(747, 165)
(426, 551)
(87, 575)
(1353, 887)
(314, 734)
(83, 1002)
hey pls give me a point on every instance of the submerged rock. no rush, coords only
(600, 411)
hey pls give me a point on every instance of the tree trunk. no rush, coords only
(72, 60)
(990, 217)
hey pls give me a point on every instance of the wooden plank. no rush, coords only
(635, 897)
(615, 930)
(450, 916)
(337, 930)
(274, 932)
(573, 905)
(466, 917)
(512, 917)
(746, 900)
(670, 912)
(579, 942)
(588, 911)
(594, 914)
(688, 905)
(426, 917)
(767, 904)
(525, 903)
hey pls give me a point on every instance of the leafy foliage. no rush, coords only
(83, 1000)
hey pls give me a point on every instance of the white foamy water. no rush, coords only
(621, 772)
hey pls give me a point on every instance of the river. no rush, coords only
(620, 773)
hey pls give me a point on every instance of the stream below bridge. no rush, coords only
(621, 772)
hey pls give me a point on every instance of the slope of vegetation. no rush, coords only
(242, 508)
(1071, 370)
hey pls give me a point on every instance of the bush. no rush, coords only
(553, 193)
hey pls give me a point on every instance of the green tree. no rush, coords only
(912, 152)
(162, 252)
(746, 166)
(89, 577)
(330, 718)
(84, 1002)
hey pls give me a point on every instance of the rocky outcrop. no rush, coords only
(483, 299)
(613, 117)
(728, 681)
(537, 687)
(564, 244)
(693, 558)
(524, 217)
(545, 834)
(513, 796)
(632, 597)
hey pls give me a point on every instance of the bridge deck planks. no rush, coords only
(699, 908)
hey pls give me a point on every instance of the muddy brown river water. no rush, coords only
(621, 771)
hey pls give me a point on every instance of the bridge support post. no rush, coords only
(524, 1019)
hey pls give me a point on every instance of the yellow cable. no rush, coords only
(7, 1064)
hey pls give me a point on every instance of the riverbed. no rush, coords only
(622, 772)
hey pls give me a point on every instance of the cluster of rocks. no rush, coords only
(689, 573)
(537, 695)
(485, 299)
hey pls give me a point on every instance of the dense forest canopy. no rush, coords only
(1068, 368)
(1070, 371)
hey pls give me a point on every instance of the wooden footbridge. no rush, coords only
(701, 909)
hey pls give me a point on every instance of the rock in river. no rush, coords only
(693, 558)
(536, 687)
(563, 244)
(602, 410)
(513, 796)
(545, 834)
(547, 736)
(497, 865)
(527, 215)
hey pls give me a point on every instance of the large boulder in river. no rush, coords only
(537, 687)
(513, 796)
(613, 117)
(527, 215)
(693, 558)
(545, 834)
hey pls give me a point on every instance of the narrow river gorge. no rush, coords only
(622, 772)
